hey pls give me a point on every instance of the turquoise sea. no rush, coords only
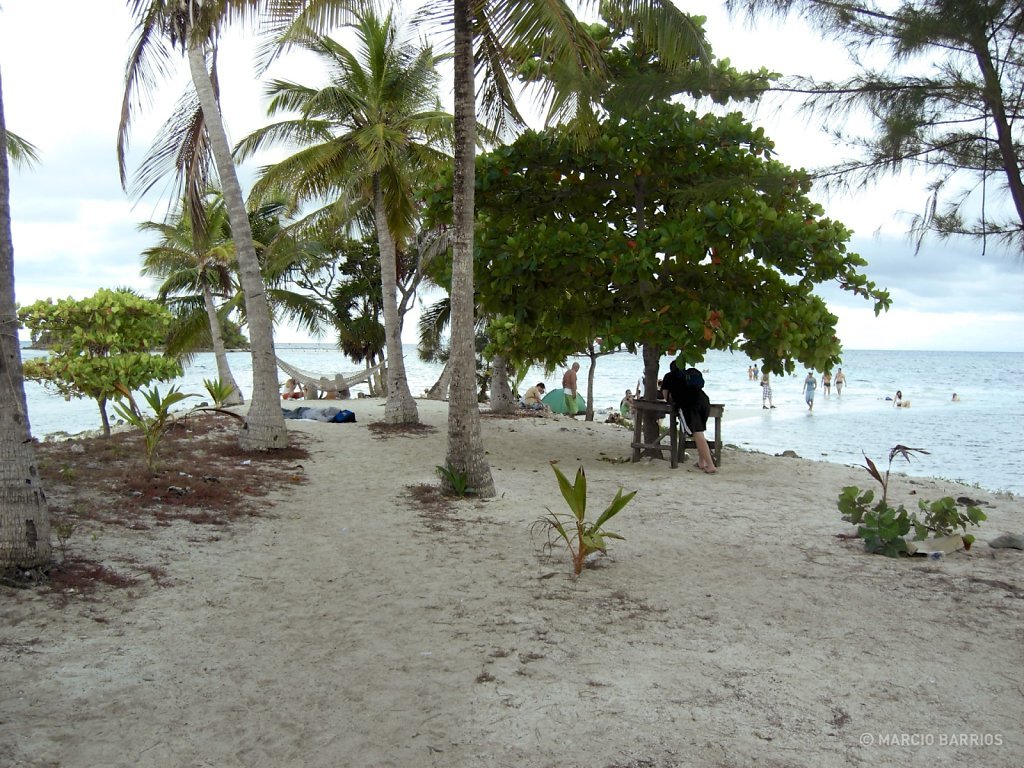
(978, 440)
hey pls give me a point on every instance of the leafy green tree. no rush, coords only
(948, 102)
(191, 263)
(193, 27)
(24, 517)
(99, 345)
(669, 231)
(367, 136)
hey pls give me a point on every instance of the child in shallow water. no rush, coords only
(766, 392)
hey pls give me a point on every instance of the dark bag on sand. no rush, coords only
(693, 378)
(344, 417)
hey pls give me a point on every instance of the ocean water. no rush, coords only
(978, 440)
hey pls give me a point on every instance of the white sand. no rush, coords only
(730, 628)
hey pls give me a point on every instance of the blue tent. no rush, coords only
(555, 400)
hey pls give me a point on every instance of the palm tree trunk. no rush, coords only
(465, 439)
(502, 400)
(400, 407)
(264, 427)
(219, 351)
(24, 517)
(440, 389)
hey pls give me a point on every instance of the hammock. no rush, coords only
(340, 382)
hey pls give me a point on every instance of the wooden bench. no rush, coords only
(676, 447)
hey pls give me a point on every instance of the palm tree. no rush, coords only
(367, 136)
(193, 26)
(190, 261)
(24, 517)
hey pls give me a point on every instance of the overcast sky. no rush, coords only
(75, 230)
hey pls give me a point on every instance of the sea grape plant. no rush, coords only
(884, 528)
(99, 345)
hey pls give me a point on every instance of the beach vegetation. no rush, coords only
(219, 391)
(885, 528)
(153, 425)
(21, 152)
(63, 530)
(580, 536)
(945, 100)
(454, 481)
(195, 141)
(656, 233)
(500, 40)
(99, 346)
(731, 223)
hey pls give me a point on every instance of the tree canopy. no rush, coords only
(98, 343)
(670, 229)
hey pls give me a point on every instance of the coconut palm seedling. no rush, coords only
(152, 426)
(457, 481)
(580, 536)
(219, 391)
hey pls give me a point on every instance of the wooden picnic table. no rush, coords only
(676, 448)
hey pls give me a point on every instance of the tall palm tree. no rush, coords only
(190, 261)
(24, 517)
(367, 136)
(193, 26)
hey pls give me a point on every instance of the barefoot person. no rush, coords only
(569, 387)
(840, 382)
(810, 384)
(686, 392)
(766, 391)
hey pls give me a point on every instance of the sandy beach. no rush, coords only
(366, 621)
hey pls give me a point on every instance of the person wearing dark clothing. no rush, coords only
(685, 390)
(673, 379)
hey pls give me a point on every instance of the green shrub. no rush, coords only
(884, 528)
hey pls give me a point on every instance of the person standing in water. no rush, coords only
(810, 384)
(766, 391)
(840, 382)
